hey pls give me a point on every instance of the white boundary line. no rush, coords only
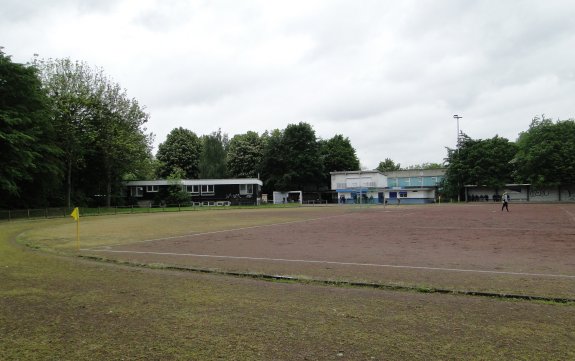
(340, 263)
(569, 214)
(221, 231)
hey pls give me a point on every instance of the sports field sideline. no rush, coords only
(476, 247)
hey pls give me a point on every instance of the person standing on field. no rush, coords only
(505, 200)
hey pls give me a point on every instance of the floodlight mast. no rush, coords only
(457, 117)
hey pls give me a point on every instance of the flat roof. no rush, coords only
(189, 182)
(357, 172)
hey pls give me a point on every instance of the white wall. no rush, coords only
(357, 179)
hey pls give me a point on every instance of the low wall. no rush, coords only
(526, 193)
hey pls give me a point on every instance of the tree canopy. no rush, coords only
(28, 151)
(479, 162)
(388, 165)
(181, 150)
(212, 162)
(546, 153)
(291, 159)
(338, 154)
(100, 129)
(244, 156)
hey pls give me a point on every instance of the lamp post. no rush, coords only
(457, 117)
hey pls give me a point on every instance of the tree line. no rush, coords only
(543, 156)
(70, 135)
(293, 158)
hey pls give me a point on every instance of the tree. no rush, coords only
(479, 162)
(273, 162)
(28, 152)
(120, 141)
(546, 154)
(425, 166)
(244, 156)
(176, 192)
(292, 159)
(99, 128)
(181, 150)
(388, 165)
(338, 154)
(70, 86)
(212, 163)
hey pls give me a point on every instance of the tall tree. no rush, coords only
(546, 155)
(292, 159)
(100, 129)
(71, 86)
(338, 154)
(245, 154)
(28, 153)
(482, 162)
(273, 162)
(181, 150)
(212, 164)
(388, 165)
(120, 140)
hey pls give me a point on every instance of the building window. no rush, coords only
(207, 189)
(402, 194)
(152, 189)
(341, 186)
(246, 188)
(137, 191)
(194, 189)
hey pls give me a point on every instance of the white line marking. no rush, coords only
(223, 231)
(338, 263)
(568, 213)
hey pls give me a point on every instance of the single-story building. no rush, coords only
(288, 197)
(520, 193)
(201, 191)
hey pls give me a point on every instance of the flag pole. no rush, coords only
(76, 215)
(78, 233)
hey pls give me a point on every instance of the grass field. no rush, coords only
(57, 306)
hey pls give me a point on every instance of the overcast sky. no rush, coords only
(389, 75)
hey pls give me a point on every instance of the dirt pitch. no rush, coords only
(474, 247)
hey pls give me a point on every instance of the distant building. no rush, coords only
(201, 191)
(361, 187)
(413, 186)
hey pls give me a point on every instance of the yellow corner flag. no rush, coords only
(75, 214)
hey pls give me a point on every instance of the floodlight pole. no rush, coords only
(457, 117)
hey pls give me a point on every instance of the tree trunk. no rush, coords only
(109, 187)
(69, 184)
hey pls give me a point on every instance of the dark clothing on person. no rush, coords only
(505, 200)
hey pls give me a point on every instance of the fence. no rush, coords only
(44, 213)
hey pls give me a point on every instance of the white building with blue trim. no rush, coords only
(414, 186)
(359, 187)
